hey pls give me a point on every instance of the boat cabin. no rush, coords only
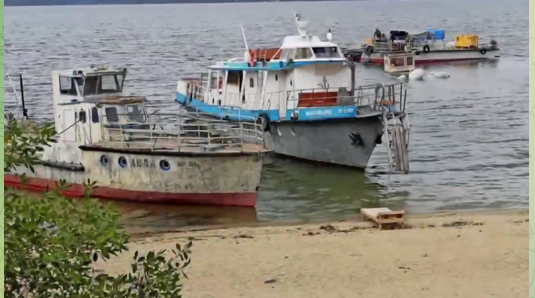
(86, 100)
(303, 72)
(399, 63)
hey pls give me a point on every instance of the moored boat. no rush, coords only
(401, 63)
(305, 96)
(110, 138)
(429, 47)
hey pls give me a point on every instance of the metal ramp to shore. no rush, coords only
(391, 100)
(396, 128)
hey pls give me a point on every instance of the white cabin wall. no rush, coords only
(275, 89)
(292, 97)
(232, 97)
(253, 94)
(311, 77)
(305, 78)
(72, 135)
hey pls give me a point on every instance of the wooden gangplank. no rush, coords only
(384, 216)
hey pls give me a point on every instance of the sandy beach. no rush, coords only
(442, 255)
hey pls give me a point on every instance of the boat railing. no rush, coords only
(249, 101)
(381, 97)
(319, 97)
(386, 46)
(181, 132)
(367, 98)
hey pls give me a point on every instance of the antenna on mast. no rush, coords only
(244, 38)
(247, 54)
(301, 25)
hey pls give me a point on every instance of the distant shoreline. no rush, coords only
(27, 3)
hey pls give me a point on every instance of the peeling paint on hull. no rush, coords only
(211, 180)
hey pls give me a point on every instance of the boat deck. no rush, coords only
(168, 146)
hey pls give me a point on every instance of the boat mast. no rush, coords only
(301, 25)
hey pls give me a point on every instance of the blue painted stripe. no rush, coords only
(231, 113)
(272, 65)
(319, 113)
(235, 114)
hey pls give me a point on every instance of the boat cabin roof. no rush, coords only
(91, 71)
(109, 100)
(115, 100)
(295, 42)
(319, 52)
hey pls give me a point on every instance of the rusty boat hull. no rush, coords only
(180, 178)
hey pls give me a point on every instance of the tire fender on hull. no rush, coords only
(264, 120)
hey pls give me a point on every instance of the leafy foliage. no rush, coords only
(51, 242)
(22, 143)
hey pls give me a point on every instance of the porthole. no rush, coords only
(122, 162)
(104, 160)
(165, 165)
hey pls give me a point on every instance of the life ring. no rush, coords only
(369, 50)
(264, 120)
(427, 49)
(483, 51)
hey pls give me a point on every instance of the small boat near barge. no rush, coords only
(305, 96)
(428, 47)
(111, 139)
(399, 64)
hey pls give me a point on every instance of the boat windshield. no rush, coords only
(103, 84)
(329, 52)
(136, 113)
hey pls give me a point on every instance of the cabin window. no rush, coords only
(111, 114)
(109, 84)
(90, 87)
(135, 113)
(409, 61)
(329, 52)
(398, 62)
(234, 78)
(303, 53)
(287, 54)
(94, 115)
(276, 77)
(67, 86)
(103, 84)
(82, 116)
(251, 82)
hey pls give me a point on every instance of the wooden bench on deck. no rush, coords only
(319, 99)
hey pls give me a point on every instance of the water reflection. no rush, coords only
(142, 218)
(291, 191)
(294, 190)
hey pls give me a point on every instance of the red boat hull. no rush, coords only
(247, 199)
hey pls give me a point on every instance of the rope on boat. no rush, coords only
(76, 122)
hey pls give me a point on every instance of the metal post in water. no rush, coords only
(24, 111)
(352, 66)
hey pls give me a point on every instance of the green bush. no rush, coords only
(52, 242)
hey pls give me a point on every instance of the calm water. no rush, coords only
(469, 145)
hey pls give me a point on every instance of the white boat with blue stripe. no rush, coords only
(305, 94)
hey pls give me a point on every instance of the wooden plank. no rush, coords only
(382, 216)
